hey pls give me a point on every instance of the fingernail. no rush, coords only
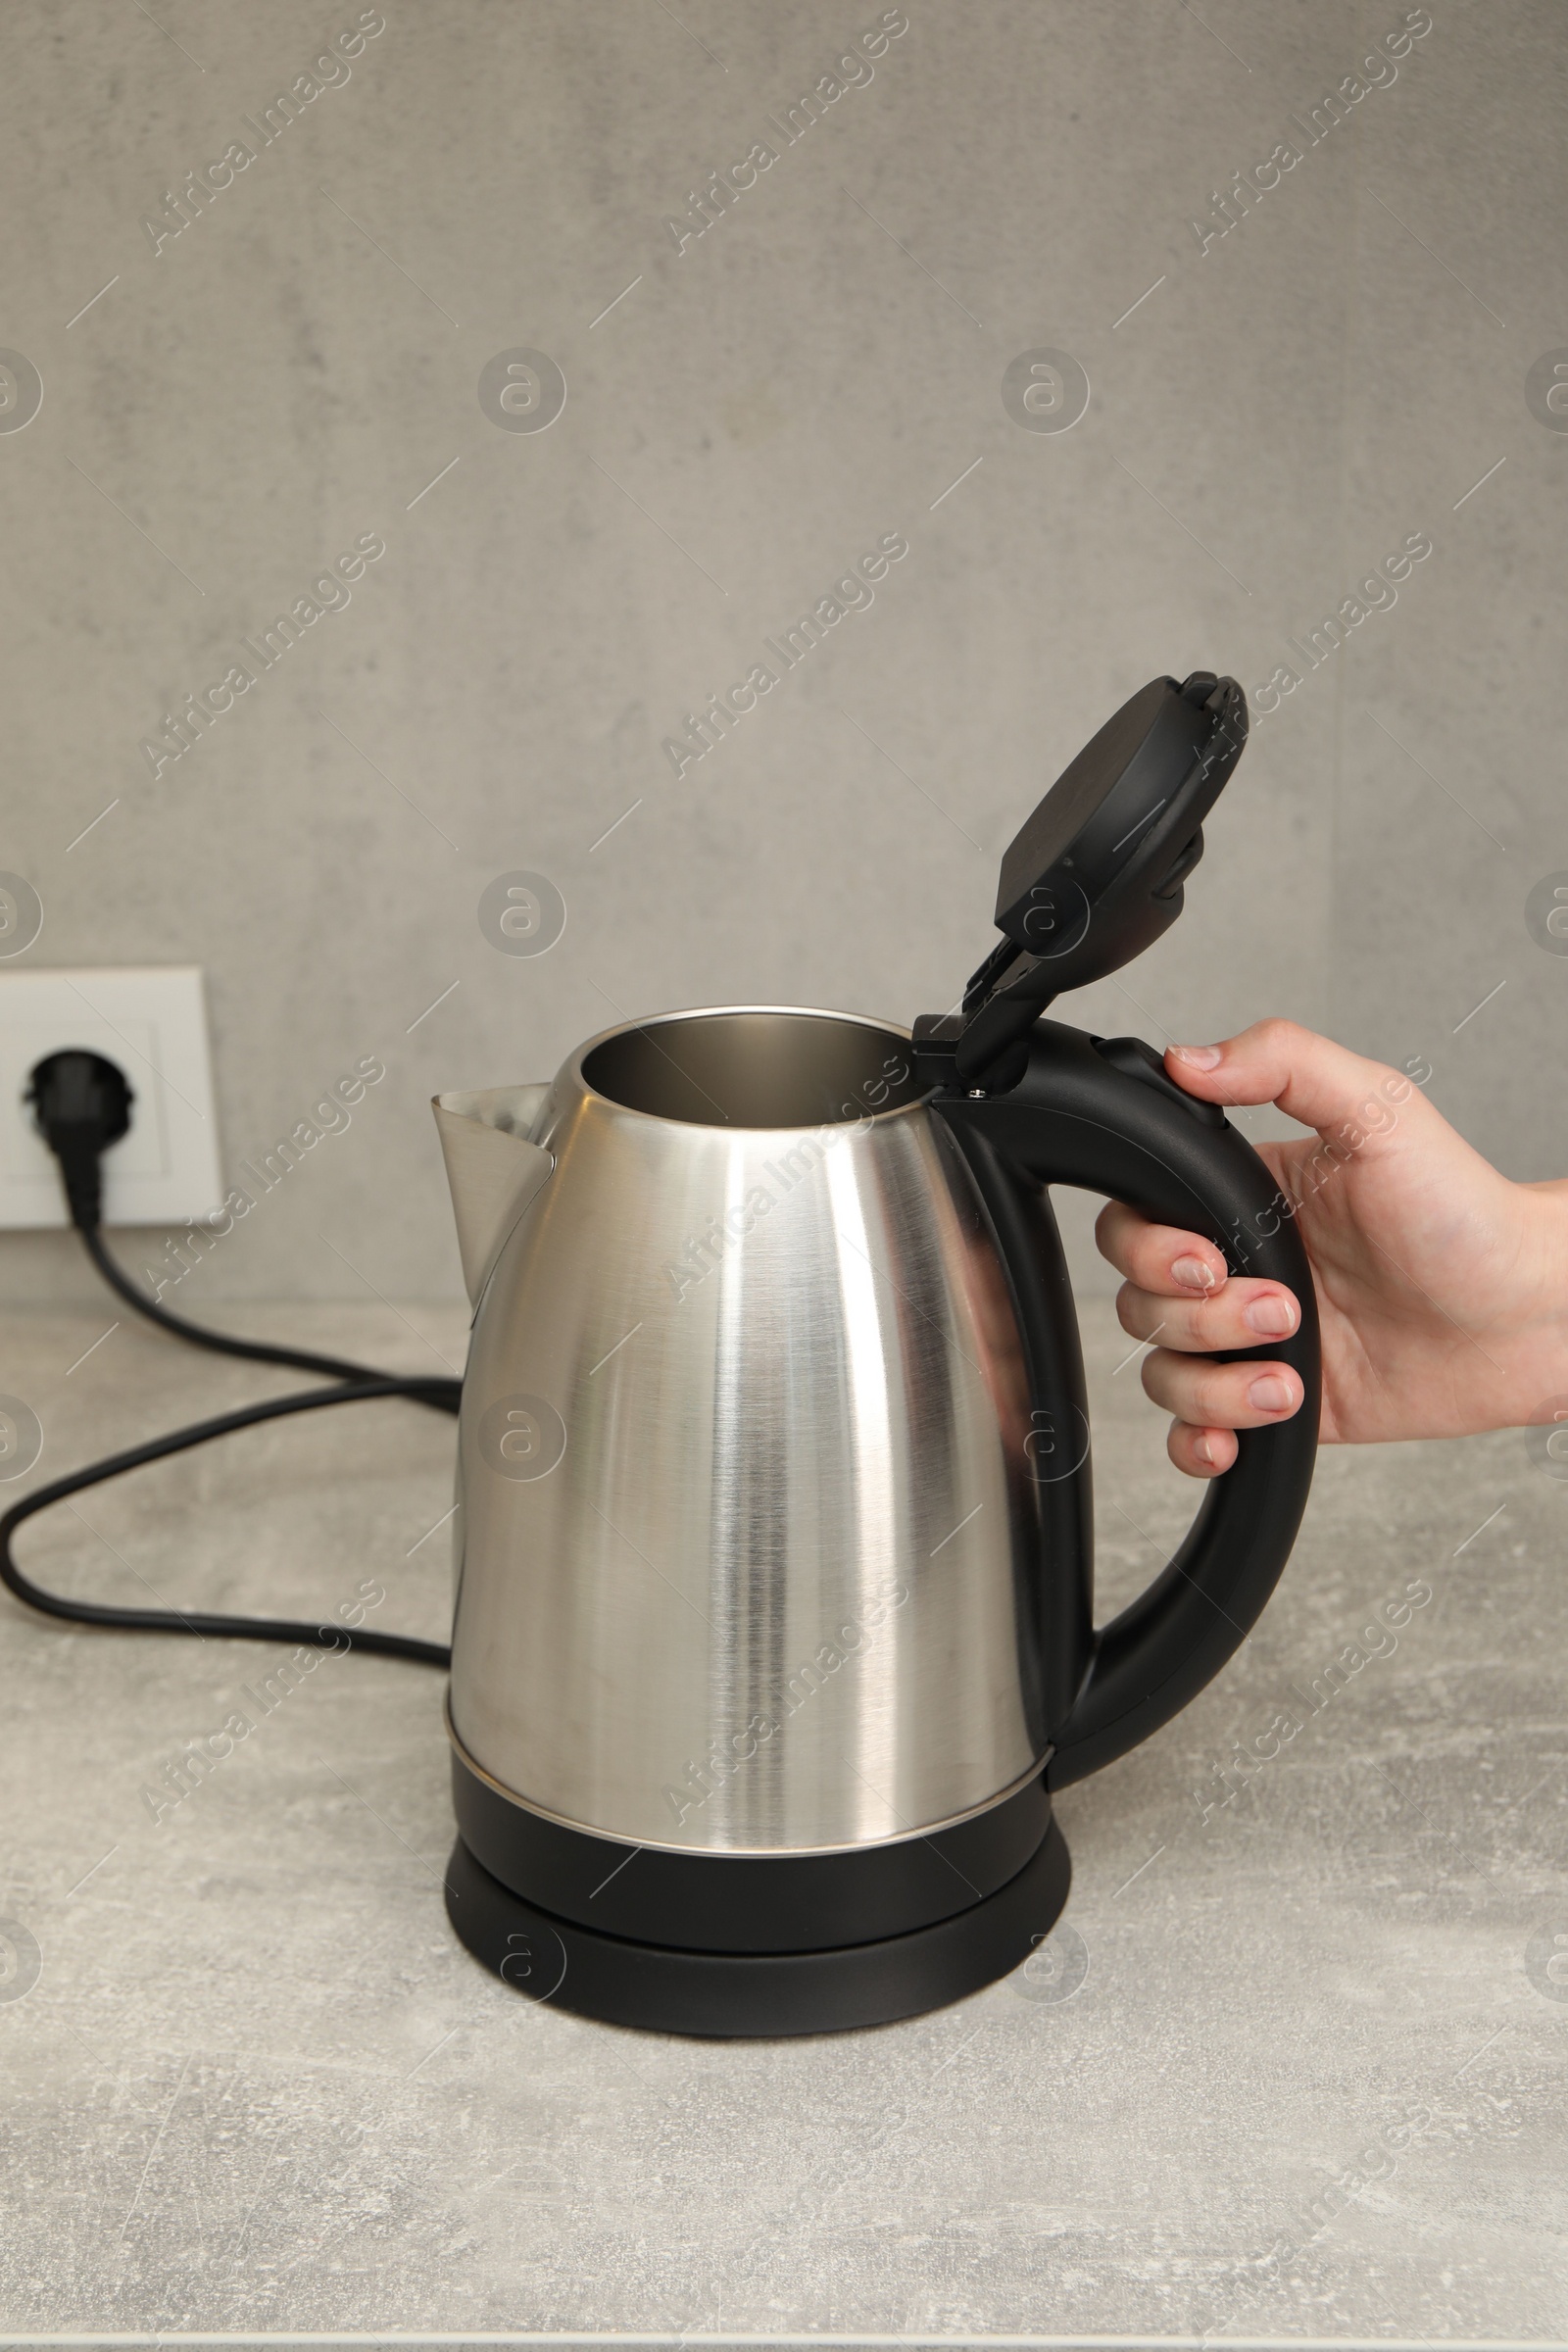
(1270, 1318)
(1192, 1274)
(1270, 1395)
(1204, 1450)
(1202, 1058)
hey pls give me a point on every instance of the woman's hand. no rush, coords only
(1442, 1288)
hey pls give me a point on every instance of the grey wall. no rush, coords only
(1281, 412)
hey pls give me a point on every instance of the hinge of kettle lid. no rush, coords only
(934, 1038)
(941, 1040)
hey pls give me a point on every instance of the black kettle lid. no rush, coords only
(1095, 874)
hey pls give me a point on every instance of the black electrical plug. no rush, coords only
(81, 1103)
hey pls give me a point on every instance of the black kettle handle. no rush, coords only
(1104, 1115)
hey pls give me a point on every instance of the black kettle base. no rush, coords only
(728, 1995)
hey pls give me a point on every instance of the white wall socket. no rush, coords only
(154, 1025)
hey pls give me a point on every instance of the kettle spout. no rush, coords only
(493, 1169)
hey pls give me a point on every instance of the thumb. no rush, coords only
(1309, 1077)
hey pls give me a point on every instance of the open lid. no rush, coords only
(1095, 874)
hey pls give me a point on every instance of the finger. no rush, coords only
(1221, 1395)
(1240, 1315)
(1312, 1079)
(1200, 1453)
(1159, 1258)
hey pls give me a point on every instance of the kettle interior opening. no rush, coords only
(756, 1069)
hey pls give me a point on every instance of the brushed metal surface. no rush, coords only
(928, 1829)
(746, 1551)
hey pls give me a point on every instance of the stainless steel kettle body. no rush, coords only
(745, 1550)
(774, 1627)
(774, 1619)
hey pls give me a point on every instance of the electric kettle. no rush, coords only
(773, 1626)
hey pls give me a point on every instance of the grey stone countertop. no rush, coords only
(1296, 2065)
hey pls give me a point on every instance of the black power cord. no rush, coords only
(442, 1395)
(83, 1104)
